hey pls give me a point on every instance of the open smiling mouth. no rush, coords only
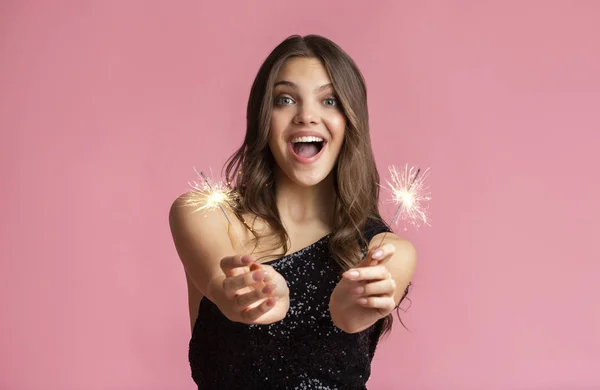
(307, 147)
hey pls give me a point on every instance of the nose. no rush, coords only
(306, 115)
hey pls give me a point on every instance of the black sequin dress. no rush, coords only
(305, 350)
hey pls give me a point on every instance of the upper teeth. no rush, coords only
(307, 139)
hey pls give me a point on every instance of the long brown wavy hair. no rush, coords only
(250, 170)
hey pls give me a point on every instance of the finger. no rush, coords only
(275, 290)
(271, 273)
(382, 287)
(385, 304)
(271, 277)
(234, 283)
(229, 263)
(367, 273)
(262, 283)
(378, 255)
(242, 301)
(250, 315)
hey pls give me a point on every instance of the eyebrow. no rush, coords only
(294, 86)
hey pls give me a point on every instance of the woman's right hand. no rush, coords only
(250, 293)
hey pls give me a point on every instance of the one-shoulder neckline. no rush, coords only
(309, 246)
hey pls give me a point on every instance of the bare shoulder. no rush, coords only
(186, 218)
(200, 236)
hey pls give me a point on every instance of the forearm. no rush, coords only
(215, 292)
(351, 317)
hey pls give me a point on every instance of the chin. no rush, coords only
(306, 180)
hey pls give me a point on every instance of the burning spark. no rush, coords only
(409, 192)
(210, 196)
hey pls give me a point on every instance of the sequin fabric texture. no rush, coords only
(305, 350)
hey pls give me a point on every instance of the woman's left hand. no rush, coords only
(365, 293)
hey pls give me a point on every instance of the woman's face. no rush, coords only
(307, 124)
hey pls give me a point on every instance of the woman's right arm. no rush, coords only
(202, 242)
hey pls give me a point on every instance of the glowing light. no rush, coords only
(410, 193)
(210, 195)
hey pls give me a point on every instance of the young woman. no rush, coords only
(302, 301)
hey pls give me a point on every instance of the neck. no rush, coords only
(300, 205)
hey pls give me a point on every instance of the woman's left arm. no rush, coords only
(374, 288)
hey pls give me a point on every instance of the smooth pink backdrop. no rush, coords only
(107, 106)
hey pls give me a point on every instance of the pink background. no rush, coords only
(107, 106)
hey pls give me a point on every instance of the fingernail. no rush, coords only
(268, 289)
(357, 290)
(378, 254)
(246, 260)
(361, 301)
(270, 303)
(351, 274)
(259, 275)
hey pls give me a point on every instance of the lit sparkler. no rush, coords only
(210, 196)
(409, 192)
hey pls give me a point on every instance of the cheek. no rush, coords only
(278, 125)
(337, 126)
(273, 133)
